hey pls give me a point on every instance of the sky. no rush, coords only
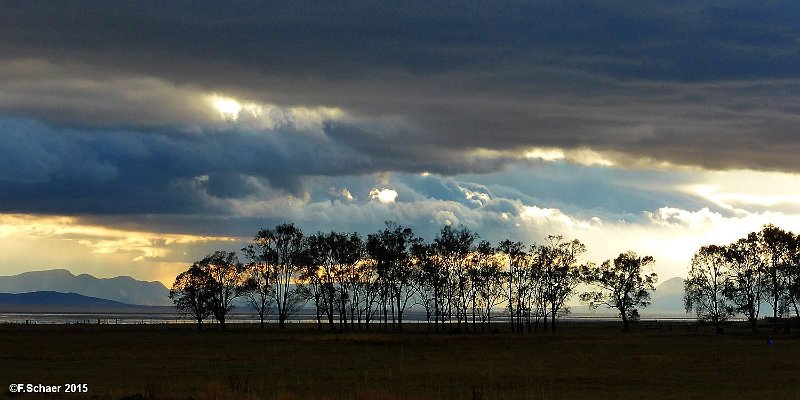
(136, 137)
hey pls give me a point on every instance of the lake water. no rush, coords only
(234, 318)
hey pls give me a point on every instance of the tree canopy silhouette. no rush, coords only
(621, 285)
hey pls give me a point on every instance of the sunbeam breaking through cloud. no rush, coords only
(624, 125)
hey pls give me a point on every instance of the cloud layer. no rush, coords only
(710, 84)
(607, 122)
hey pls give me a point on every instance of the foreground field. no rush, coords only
(169, 362)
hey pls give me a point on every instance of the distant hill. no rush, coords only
(123, 289)
(47, 299)
(668, 297)
(57, 302)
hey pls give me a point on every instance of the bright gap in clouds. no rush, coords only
(102, 251)
(671, 234)
(227, 107)
(578, 156)
(744, 191)
(268, 116)
(385, 196)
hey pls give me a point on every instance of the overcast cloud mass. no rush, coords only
(136, 137)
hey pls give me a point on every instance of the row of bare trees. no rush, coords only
(738, 278)
(354, 282)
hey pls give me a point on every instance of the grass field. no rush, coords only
(177, 362)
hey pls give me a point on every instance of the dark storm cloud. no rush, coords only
(692, 83)
(67, 170)
(709, 40)
(52, 170)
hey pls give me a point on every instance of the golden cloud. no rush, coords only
(100, 239)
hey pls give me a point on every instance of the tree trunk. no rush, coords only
(624, 320)
(528, 320)
(331, 325)
(775, 295)
(399, 313)
(343, 315)
(319, 317)
(436, 310)
(511, 295)
(474, 329)
(428, 315)
(511, 315)
(544, 317)
(752, 318)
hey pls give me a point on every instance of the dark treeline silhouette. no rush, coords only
(763, 267)
(622, 285)
(355, 282)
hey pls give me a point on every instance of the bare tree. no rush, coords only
(792, 274)
(259, 280)
(487, 282)
(347, 251)
(284, 243)
(560, 274)
(391, 250)
(316, 264)
(369, 289)
(621, 284)
(537, 261)
(191, 293)
(746, 283)
(779, 247)
(704, 287)
(429, 281)
(453, 247)
(514, 255)
(227, 282)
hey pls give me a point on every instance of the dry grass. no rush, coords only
(169, 362)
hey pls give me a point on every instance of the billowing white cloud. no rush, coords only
(476, 197)
(670, 234)
(670, 216)
(607, 141)
(445, 217)
(384, 195)
(553, 216)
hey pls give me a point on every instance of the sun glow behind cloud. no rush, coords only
(545, 154)
(140, 245)
(256, 115)
(743, 190)
(227, 107)
(622, 144)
